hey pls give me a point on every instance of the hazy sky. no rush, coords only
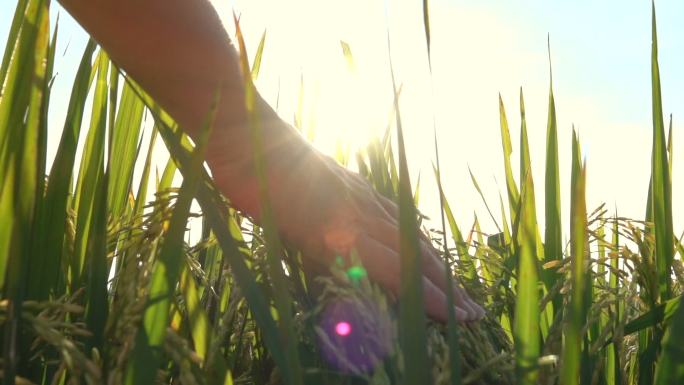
(601, 68)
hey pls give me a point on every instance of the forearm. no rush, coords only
(179, 52)
(176, 49)
(290, 163)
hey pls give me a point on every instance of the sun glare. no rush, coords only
(340, 99)
(348, 113)
(344, 107)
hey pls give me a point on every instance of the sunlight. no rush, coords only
(344, 103)
(478, 51)
(348, 113)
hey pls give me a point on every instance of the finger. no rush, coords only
(434, 263)
(377, 203)
(382, 264)
(479, 309)
(435, 270)
(433, 266)
(390, 207)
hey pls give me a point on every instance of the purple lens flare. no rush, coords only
(343, 328)
(354, 335)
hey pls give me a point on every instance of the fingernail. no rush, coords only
(461, 315)
(480, 312)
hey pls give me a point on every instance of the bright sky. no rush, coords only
(601, 66)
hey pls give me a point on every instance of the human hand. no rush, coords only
(327, 211)
(363, 221)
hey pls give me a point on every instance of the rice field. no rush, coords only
(100, 286)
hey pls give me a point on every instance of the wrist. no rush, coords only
(287, 159)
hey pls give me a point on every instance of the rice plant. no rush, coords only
(98, 285)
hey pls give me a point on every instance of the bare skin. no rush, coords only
(180, 53)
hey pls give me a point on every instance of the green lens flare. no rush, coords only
(355, 273)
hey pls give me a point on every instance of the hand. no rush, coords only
(327, 211)
(358, 218)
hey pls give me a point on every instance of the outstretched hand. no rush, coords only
(368, 223)
(327, 211)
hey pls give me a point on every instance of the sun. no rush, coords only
(350, 112)
(331, 75)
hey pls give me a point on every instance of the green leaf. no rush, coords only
(200, 328)
(576, 313)
(150, 337)
(660, 176)
(613, 364)
(670, 366)
(426, 25)
(479, 191)
(22, 112)
(17, 21)
(412, 332)
(456, 234)
(53, 223)
(661, 313)
(346, 51)
(227, 231)
(511, 186)
(256, 65)
(145, 177)
(452, 327)
(526, 332)
(90, 171)
(125, 138)
(95, 252)
(553, 242)
(274, 249)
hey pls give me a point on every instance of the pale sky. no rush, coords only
(601, 67)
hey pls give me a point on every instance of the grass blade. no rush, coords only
(426, 25)
(17, 21)
(256, 64)
(150, 337)
(227, 231)
(346, 51)
(479, 191)
(452, 327)
(526, 332)
(456, 234)
(125, 138)
(95, 252)
(670, 367)
(200, 328)
(511, 186)
(21, 121)
(576, 312)
(90, 171)
(413, 336)
(660, 176)
(282, 298)
(53, 223)
(553, 242)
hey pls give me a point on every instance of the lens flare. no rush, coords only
(356, 273)
(355, 335)
(343, 328)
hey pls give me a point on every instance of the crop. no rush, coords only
(98, 285)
